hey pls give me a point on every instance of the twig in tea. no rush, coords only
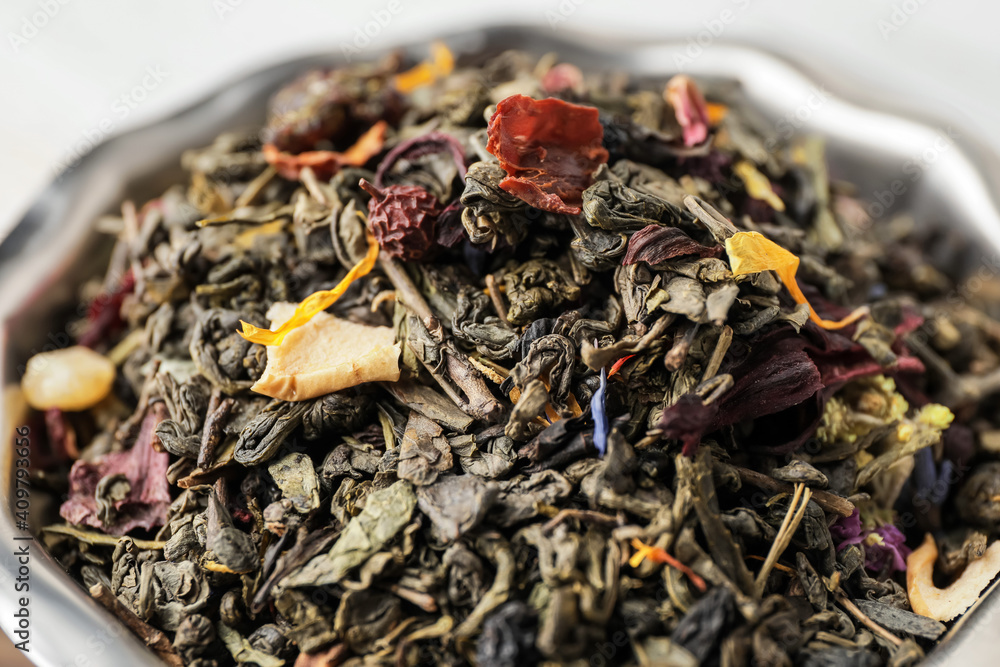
(796, 510)
(152, 637)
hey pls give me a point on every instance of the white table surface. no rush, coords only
(73, 71)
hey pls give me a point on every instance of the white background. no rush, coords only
(64, 71)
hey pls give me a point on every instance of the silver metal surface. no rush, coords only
(935, 171)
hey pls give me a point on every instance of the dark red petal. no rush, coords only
(146, 504)
(687, 420)
(655, 244)
(777, 374)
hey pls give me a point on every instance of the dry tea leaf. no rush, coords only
(325, 355)
(296, 477)
(386, 512)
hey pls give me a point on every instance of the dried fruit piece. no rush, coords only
(752, 252)
(326, 355)
(327, 163)
(74, 378)
(944, 604)
(403, 218)
(312, 304)
(549, 149)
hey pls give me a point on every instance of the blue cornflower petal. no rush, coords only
(600, 416)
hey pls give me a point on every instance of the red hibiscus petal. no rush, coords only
(146, 504)
(549, 149)
(655, 244)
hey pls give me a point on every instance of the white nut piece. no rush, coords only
(944, 604)
(72, 379)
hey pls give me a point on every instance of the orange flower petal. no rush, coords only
(441, 64)
(327, 163)
(314, 303)
(658, 555)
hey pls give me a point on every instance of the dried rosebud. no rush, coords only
(403, 219)
(563, 77)
(549, 149)
(689, 108)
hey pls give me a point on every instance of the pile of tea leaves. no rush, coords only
(508, 364)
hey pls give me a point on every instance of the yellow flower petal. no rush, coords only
(751, 252)
(757, 185)
(314, 303)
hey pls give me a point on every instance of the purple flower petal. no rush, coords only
(147, 501)
(847, 530)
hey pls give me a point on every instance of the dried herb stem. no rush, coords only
(152, 637)
(255, 186)
(581, 515)
(866, 621)
(409, 295)
(94, 537)
(796, 510)
(830, 502)
(677, 355)
(308, 178)
(497, 298)
(721, 347)
(718, 224)
(131, 234)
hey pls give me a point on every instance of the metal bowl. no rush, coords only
(936, 172)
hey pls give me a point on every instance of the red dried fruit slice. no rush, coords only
(549, 149)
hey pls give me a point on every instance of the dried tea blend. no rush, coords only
(504, 364)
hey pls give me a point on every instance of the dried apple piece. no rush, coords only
(944, 604)
(325, 355)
